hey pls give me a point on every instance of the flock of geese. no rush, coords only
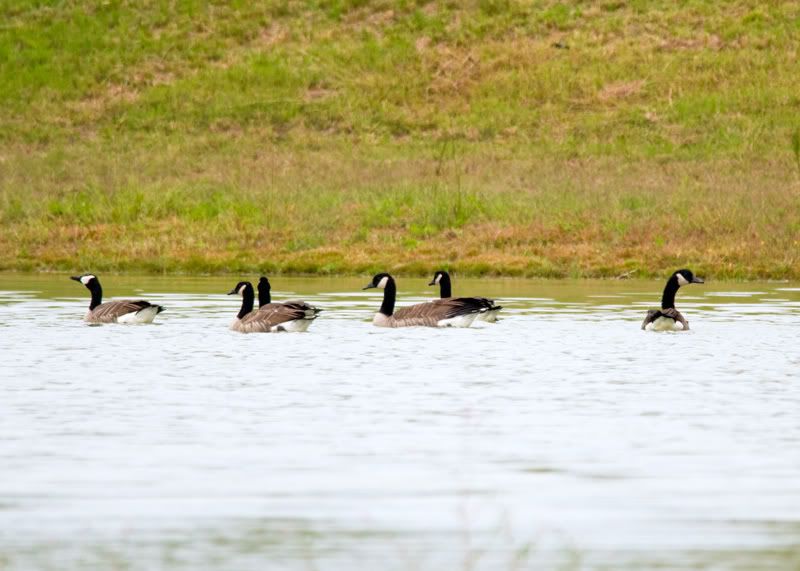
(447, 311)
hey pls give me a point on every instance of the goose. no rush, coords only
(668, 318)
(269, 319)
(121, 311)
(451, 312)
(442, 279)
(265, 304)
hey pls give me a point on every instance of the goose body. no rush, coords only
(451, 312)
(270, 317)
(668, 318)
(662, 321)
(121, 311)
(491, 309)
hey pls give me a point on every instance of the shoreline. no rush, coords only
(399, 274)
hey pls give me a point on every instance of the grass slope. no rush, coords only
(491, 136)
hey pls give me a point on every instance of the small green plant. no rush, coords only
(796, 147)
(494, 7)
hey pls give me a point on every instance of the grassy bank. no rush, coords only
(541, 138)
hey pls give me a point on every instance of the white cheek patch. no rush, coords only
(383, 282)
(682, 280)
(240, 291)
(438, 279)
(86, 279)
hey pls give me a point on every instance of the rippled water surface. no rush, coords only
(562, 437)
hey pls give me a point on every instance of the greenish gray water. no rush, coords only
(561, 437)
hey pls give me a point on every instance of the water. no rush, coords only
(563, 437)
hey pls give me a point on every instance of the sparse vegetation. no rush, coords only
(523, 138)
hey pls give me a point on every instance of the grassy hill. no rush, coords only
(490, 136)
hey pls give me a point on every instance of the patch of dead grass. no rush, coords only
(620, 90)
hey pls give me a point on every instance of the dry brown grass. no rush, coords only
(579, 218)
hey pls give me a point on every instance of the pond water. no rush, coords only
(561, 437)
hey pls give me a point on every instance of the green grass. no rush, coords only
(346, 136)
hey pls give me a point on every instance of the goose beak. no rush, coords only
(368, 286)
(233, 292)
(432, 283)
(697, 280)
(76, 278)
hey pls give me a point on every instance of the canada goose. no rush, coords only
(122, 311)
(442, 278)
(265, 304)
(668, 318)
(270, 318)
(452, 312)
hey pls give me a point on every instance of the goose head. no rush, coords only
(379, 281)
(89, 280)
(438, 277)
(685, 277)
(264, 288)
(241, 288)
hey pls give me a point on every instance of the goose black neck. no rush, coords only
(668, 299)
(264, 295)
(389, 296)
(97, 293)
(444, 286)
(247, 301)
